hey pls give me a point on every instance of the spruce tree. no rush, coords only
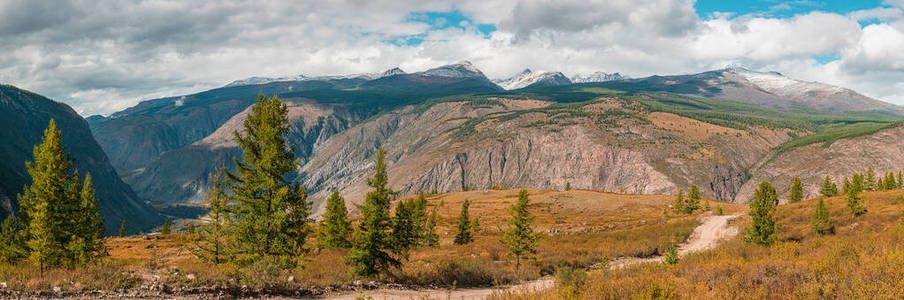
(520, 237)
(693, 200)
(858, 184)
(336, 229)
(165, 229)
(855, 203)
(846, 186)
(420, 218)
(797, 192)
(890, 182)
(567, 186)
(122, 229)
(829, 188)
(211, 243)
(271, 211)
(678, 205)
(12, 240)
(373, 251)
(464, 225)
(822, 223)
(900, 179)
(431, 238)
(762, 210)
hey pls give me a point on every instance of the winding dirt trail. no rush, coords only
(706, 236)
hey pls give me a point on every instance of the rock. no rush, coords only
(358, 283)
(291, 279)
(57, 289)
(611, 226)
(3, 285)
(855, 225)
(190, 276)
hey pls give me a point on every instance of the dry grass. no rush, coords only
(865, 260)
(578, 228)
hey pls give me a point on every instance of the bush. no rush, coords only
(571, 280)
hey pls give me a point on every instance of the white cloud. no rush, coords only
(101, 57)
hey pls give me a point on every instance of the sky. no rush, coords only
(103, 56)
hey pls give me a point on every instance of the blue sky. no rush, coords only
(781, 9)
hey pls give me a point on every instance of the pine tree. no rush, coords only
(464, 225)
(829, 188)
(165, 229)
(520, 237)
(822, 224)
(431, 238)
(855, 203)
(122, 229)
(12, 240)
(693, 200)
(373, 252)
(678, 206)
(869, 181)
(336, 229)
(797, 192)
(475, 226)
(271, 212)
(762, 210)
(211, 243)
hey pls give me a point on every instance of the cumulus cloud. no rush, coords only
(103, 56)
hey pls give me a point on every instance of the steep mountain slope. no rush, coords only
(881, 150)
(767, 89)
(461, 76)
(23, 118)
(528, 78)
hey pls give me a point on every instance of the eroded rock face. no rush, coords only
(882, 151)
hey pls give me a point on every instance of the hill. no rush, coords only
(23, 118)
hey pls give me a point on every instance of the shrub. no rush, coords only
(571, 280)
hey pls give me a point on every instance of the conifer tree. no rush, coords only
(336, 229)
(762, 210)
(822, 223)
(900, 179)
(475, 226)
(191, 230)
(678, 205)
(829, 188)
(890, 182)
(57, 211)
(91, 221)
(797, 192)
(855, 203)
(405, 233)
(858, 183)
(520, 237)
(464, 225)
(431, 238)
(567, 186)
(880, 184)
(693, 200)
(671, 255)
(847, 186)
(211, 243)
(12, 240)
(122, 229)
(869, 181)
(373, 251)
(420, 218)
(271, 211)
(165, 229)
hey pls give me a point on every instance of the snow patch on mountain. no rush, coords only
(532, 78)
(779, 84)
(462, 69)
(597, 77)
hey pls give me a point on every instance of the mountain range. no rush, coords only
(451, 128)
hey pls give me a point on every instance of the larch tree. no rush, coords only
(431, 238)
(762, 210)
(211, 243)
(405, 233)
(271, 212)
(520, 237)
(678, 205)
(693, 200)
(829, 188)
(822, 223)
(166, 228)
(464, 225)
(58, 212)
(855, 203)
(12, 240)
(797, 191)
(869, 181)
(335, 230)
(373, 251)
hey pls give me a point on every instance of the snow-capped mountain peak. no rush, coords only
(532, 78)
(393, 71)
(597, 77)
(776, 83)
(462, 69)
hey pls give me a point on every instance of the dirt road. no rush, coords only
(706, 236)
